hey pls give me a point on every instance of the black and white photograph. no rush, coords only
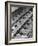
(20, 22)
